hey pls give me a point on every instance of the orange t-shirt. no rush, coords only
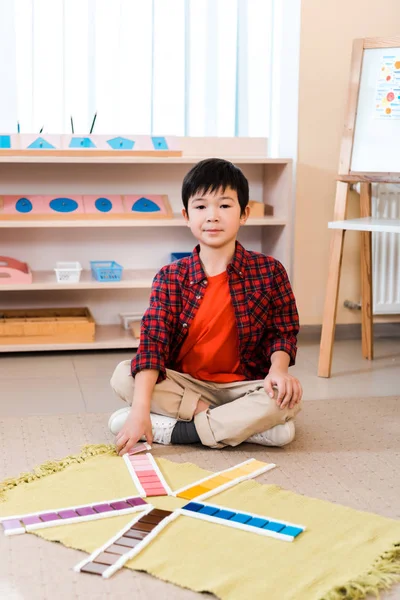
(210, 350)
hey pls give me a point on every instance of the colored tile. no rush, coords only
(85, 511)
(101, 508)
(143, 468)
(120, 505)
(157, 512)
(274, 526)
(149, 478)
(138, 460)
(208, 510)
(49, 517)
(94, 568)
(156, 492)
(143, 526)
(137, 535)
(135, 501)
(33, 520)
(214, 482)
(146, 473)
(253, 466)
(193, 492)
(116, 549)
(290, 530)
(68, 514)
(11, 524)
(151, 485)
(194, 506)
(151, 519)
(106, 559)
(241, 518)
(257, 522)
(235, 473)
(128, 542)
(225, 514)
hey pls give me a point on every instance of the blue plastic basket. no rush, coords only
(177, 255)
(106, 270)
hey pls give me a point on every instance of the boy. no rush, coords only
(218, 336)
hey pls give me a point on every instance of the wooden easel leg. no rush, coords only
(366, 276)
(332, 287)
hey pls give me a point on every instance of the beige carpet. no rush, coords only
(346, 451)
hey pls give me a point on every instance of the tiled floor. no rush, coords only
(79, 382)
(346, 450)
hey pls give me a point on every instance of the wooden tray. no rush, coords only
(46, 325)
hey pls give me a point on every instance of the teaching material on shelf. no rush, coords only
(370, 152)
(146, 475)
(246, 521)
(55, 517)
(128, 542)
(87, 144)
(46, 326)
(106, 270)
(127, 318)
(123, 206)
(13, 271)
(218, 482)
(68, 272)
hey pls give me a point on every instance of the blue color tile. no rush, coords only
(208, 510)
(257, 522)
(289, 530)
(194, 506)
(241, 518)
(224, 514)
(274, 526)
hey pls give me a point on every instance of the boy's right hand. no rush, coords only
(138, 424)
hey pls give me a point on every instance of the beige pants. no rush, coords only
(240, 409)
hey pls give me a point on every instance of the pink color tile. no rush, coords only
(140, 468)
(147, 473)
(156, 492)
(151, 486)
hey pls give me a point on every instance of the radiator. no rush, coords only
(386, 252)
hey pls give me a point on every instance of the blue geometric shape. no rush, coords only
(23, 205)
(63, 205)
(225, 514)
(81, 142)
(257, 522)
(194, 506)
(5, 141)
(159, 143)
(145, 205)
(241, 518)
(274, 526)
(120, 143)
(208, 510)
(293, 531)
(41, 144)
(103, 204)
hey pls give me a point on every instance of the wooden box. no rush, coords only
(46, 326)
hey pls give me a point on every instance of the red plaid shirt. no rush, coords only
(262, 299)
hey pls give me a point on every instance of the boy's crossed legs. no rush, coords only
(225, 414)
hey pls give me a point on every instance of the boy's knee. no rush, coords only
(121, 380)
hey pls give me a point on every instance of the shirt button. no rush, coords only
(192, 282)
(184, 324)
(240, 273)
(198, 297)
(204, 282)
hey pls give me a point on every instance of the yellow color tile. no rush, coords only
(253, 466)
(193, 492)
(214, 482)
(235, 473)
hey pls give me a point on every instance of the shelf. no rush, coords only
(149, 160)
(46, 280)
(367, 224)
(107, 336)
(174, 222)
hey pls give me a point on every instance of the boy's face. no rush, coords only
(214, 217)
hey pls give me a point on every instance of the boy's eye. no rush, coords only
(200, 206)
(225, 205)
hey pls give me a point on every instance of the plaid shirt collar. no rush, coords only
(237, 264)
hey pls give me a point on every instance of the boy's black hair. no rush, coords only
(212, 174)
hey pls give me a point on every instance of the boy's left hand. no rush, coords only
(289, 388)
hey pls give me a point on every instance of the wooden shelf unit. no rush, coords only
(136, 244)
